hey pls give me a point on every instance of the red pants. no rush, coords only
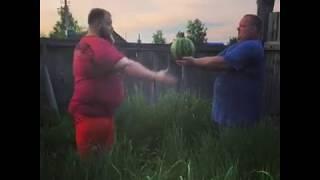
(94, 134)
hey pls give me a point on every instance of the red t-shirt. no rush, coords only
(98, 90)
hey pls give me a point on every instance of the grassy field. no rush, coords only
(171, 140)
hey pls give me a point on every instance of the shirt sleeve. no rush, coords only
(106, 55)
(242, 55)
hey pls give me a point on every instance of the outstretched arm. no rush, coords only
(214, 63)
(136, 69)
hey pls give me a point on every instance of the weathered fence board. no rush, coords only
(199, 82)
(274, 27)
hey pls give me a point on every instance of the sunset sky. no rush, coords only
(131, 17)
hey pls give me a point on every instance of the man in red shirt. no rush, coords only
(98, 86)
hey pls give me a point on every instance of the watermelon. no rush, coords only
(182, 46)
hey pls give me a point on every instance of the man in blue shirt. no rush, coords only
(238, 89)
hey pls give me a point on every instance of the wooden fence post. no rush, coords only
(48, 85)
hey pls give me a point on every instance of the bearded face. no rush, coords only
(105, 29)
(106, 33)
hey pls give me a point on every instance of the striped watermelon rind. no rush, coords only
(181, 47)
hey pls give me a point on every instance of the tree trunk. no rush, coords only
(264, 8)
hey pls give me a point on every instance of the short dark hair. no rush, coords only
(256, 21)
(96, 15)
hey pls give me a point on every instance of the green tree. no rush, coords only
(158, 38)
(43, 35)
(59, 30)
(232, 41)
(196, 31)
(180, 34)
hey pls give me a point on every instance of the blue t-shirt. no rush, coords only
(238, 92)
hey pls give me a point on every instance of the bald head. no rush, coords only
(97, 16)
(100, 23)
(255, 21)
(249, 28)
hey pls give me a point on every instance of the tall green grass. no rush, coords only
(173, 139)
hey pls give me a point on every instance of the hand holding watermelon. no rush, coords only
(187, 61)
(182, 47)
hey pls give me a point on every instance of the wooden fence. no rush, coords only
(274, 27)
(56, 56)
(271, 93)
(272, 83)
(56, 70)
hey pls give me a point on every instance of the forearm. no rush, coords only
(138, 70)
(211, 63)
(133, 68)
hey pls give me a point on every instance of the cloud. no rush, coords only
(131, 17)
(178, 12)
(276, 6)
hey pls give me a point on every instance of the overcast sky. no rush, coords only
(131, 17)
